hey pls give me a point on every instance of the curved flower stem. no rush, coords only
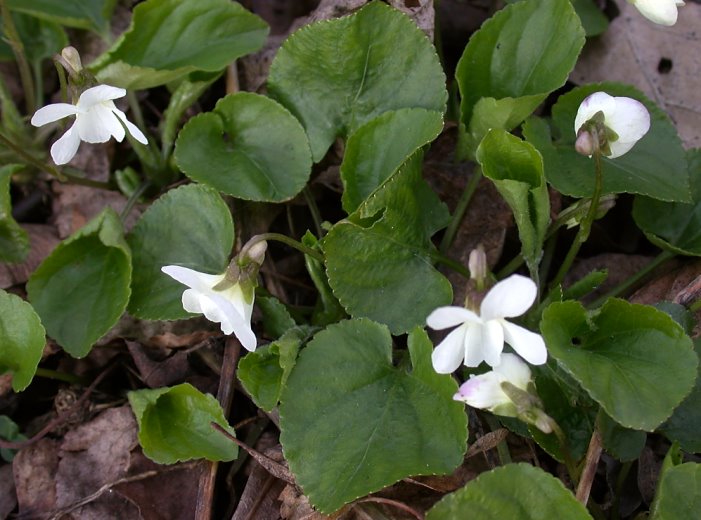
(584, 226)
(61, 176)
(314, 210)
(633, 280)
(277, 237)
(460, 210)
(132, 200)
(25, 72)
(566, 454)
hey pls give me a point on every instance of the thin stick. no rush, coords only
(225, 394)
(590, 464)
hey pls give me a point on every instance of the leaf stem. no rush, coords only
(314, 210)
(61, 376)
(453, 264)
(137, 193)
(277, 237)
(25, 72)
(585, 224)
(566, 453)
(460, 210)
(633, 280)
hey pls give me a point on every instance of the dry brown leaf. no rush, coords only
(8, 496)
(663, 62)
(157, 367)
(260, 496)
(34, 469)
(296, 506)
(43, 238)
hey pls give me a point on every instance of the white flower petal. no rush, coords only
(201, 282)
(482, 391)
(131, 127)
(630, 120)
(233, 322)
(493, 342)
(596, 102)
(514, 370)
(474, 345)
(98, 124)
(51, 113)
(446, 317)
(529, 345)
(98, 94)
(66, 147)
(446, 357)
(511, 297)
(191, 301)
(663, 12)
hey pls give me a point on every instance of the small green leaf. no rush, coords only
(14, 241)
(516, 168)
(514, 491)
(82, 288)
(679, 493)
(593, 19)
(675, 226)
(21, 340)
(347, 411)
(190, 226)
(685, 424)
(9, 431)
(276, 318)
(83, 14)
(622, 443)
(328, 309)
(518, 56)
(249, 146)
(375, 151)
(634, 360)
(175, 425)
(379, 260)
(168, 39)
(585, 285)
(337, 75)
(264, 372)
(656, 166)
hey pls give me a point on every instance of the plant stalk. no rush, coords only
(460, 210)
(25, 71)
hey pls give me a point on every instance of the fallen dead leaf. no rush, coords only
(158, 367)
(43, 238)
(663, 62)
(8, 496)
(34, 469)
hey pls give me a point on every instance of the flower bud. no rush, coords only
(72, 58)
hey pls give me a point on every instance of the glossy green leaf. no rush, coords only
(190, 226)
(685, 424)
(276, 317)
(514, 491)
(337, 75)
(14, 241)
(82, 288)
(249, 146)
(83, 14)
(679, 493)
(516, 168)
(593, 19)
(622, 443)
(168, 39)
(21, 340)
(634, 360)
(175, 425)
(379, 260)
(518, 56)
(41, 39)
(675, 226)
(264, 373)
(656, 166)
(375, 151)
(352, 422)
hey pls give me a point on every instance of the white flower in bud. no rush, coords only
(663, 12)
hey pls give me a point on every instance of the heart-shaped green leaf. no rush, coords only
(379, 260)
(622, 443)
(518, 56)
(83, 14)
(518, 491)
(516, 168)
(634, 360)
(82, 288)
(249, 146)
(337, 75)
(679, 493)
(21, 340)
(348, 412)
(14, 241)
(190, 226)
(168, 39)
(675, 226)
(379, 147)
(175, 425)
(656, 166)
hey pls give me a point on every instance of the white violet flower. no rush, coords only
(219, 300)
(663, 12)
(481, 337)
(484, 391)
(627, 118)
(96, 120)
